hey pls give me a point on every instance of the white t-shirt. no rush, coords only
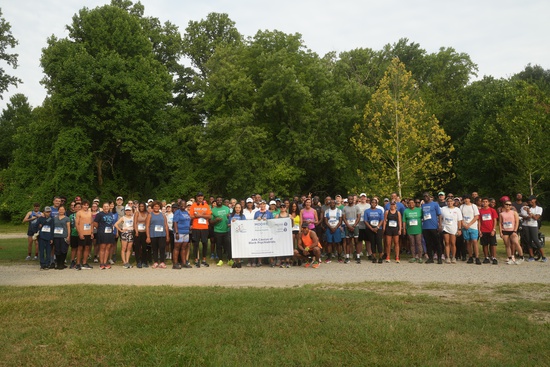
(249, 215)
(530, 222)
(333, 217)
(451, 217)
(468, 213)
(362, 207)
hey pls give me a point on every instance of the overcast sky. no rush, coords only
(501, 37)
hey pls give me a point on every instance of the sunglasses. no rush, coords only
(508, 204)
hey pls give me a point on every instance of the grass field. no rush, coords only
(393, 324)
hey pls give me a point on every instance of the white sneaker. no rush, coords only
(111, 262)
(510, 262)
(519, 261)
(35, 258)
(28, 258)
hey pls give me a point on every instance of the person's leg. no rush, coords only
(515, 245)
(162, 249)
(387, 247)
(446, 239)
(429, 245)
(42, 252)
(102, 254)
(395, 240)
(155, 248)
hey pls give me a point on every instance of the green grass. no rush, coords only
(13, 228)
(395, 324)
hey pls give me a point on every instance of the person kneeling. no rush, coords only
(308, 246)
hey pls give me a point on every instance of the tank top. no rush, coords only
(156, 225)
(309, 215)
(128, 224)
(296, 223)
(306, 240)
(393, 219)
(141, 221)
(508, 220)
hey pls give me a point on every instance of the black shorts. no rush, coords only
(87, 241)
(200, 235)
(102, 238)
(363, 234)
(211, 231)
(74, 241)
(508, 233)
(391, 231)
(487, 239)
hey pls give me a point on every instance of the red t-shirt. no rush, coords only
(486, 218)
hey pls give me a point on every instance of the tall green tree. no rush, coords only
(17, 113)
(407, 148)
(7, 41)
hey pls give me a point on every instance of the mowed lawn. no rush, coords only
(389, 324)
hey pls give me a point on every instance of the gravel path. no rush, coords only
(29, 274)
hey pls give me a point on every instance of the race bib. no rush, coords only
(58, 230)
(202, 221)
(374, 223)
(141, 226)
(486, 217)
(108, 230)
(351, 222)
(449, 220)
(170, 223)
(296, 227)
(467, 219)
(46, 229)
(507, 225)
(87, 226)
(332, 222)
(392, 223)
(427, 216)
(159, 228)
(129, 224)
(413, 222)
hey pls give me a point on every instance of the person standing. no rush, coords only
(182, 226)
(531, 214)
(451, 224)
(61, 237)
(374, 221)
(45, 238)
(392, 231)
(104, 222)
(488, 219)
(84, 220)
(157, 235)
(32, 218)
(351, 216)
(125, 228)
(333, 221)
(140, 230)
(412, 220)
(236, 214)
(200, 214)
(509, 224)
(220, 219)
(430, 226)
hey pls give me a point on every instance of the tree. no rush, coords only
(7, 41)
(17, 113)
(405, 145)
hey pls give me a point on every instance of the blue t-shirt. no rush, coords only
(430, 215)
(105, 222)
(182, 220)
(265, 215)
(374, 217)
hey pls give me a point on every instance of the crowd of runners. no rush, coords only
(155, 233)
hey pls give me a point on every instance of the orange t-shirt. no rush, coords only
(204, 208)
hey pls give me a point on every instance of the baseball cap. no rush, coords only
(189, 202)
(47, 209)
(305, 225)
(441, 193)
(200, 193)
(127, 207)
(272, 202)
(249, 200)
(119, 198)
(149, 201)
(362, 194)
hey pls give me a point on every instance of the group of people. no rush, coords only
(446, 230)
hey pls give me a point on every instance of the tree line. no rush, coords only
(125, 115)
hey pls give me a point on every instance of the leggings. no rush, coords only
(416, 244)
(158, 244)
(140, 247)
(375, 240)
(223, 242)
(532, 236)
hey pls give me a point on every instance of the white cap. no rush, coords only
(363, 194)
(149, 201)
(249, 200)
(127, 207)
(272, 202)
(119, 198)
(189, 202)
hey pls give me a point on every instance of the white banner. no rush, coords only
(261, 238)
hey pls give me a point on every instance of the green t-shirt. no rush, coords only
(223, 213)
(412, 218)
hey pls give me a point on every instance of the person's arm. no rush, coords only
(494, 231)
(357, 219)
(117, 224)
(147, 224)
(315, 240)
(399, 222)
(167, 229)
(136, 232)
(68, 231)
(27, 217)
(385, 220)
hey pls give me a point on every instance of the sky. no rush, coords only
(501, 36)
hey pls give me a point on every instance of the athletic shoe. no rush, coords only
(162, 265)
(101, 267)
(544, 259)
(176, 266)
(413, 260)
(478, 262)
(139, 265)
(212, 256)
(463, 258)
(315, 265)
(44, 268)
(205, 264)
(248, 264)
(440, 261)
(531, 259)
(346, 261)
(328, 261)
(495, 261)
(78, 267)
(374, 260)
(239, 265)
(430, 261)
(96, 260)
(307, 264)
(287, 265)
(52, 266)
(486, 261)
(197, 264)
(388, 260)
(35, 258)
(519, 261)
(111, 262)
(234, 266)
(510, 262)
(86, 267)
(187, 265)
(397, 261)
(259, 264)
(380, 261)
(447, 260)
(453, 260)
(370, 257)
(230, 263)
(107, 266)
(28, 258)
(419, 260)
(145, 264)
(155, 265)
(470, 260)
(73, 264)
(358, 261)
(340, 260)
(220, 263)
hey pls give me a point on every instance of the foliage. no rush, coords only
(407, 148)
(7, 41)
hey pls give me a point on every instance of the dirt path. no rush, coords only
(29, 274)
